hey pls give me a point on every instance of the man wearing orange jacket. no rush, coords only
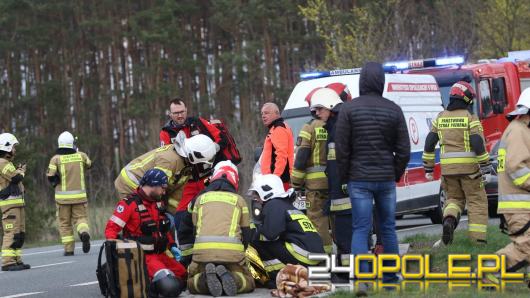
(278, 149)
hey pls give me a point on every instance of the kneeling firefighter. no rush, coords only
(142, 218)
(283, 233)
(217, 230)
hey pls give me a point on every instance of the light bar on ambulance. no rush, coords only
(431, 62)
(338, 72)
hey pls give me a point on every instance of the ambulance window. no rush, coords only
(485, 99)
(296, 124)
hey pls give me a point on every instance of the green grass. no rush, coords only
(422, 244)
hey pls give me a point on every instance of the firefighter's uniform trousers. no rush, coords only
(514, 192)
(13, 223)
(309, 172)
(461, 189)
(462, 149)
(13, 215)
(70, 195)
(70, 216)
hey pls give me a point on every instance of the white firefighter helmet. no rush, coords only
(325, 98)
(7, 142)
(200, 149)
(66, 140)
(269, 186)
(523, 104)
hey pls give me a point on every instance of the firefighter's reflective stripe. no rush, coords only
(514, 201)
(273, 265)
(9, 167)
(219, 197)
(320, 135)
(453, 206)
(186, 249)
(340, 204)
(118, 221)
(331, 151)
(459, 158)
(233, 224)
(12, 201)
(300, 254)
(168, 172)
(67, 239)
(474, 124)
(520, 176)
(82, 174)
(483, 158)
(305, 135)
(467, 145)
(501, 158)
(477, 228)
(242, 278)
(129, 178)
(52, 167)
(63, 177)
(9, 253)
(173, 203)
(428, 156)
(298, 174)
(72, 194)
(218, 245)
(82, 226)
(345, 259)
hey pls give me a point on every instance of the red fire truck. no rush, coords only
(498, 85)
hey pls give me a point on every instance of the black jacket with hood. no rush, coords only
(372, 140)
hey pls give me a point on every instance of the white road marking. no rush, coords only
(56, 250)
(422, 227)
(54, 264)
(84, 284)
(22, 295)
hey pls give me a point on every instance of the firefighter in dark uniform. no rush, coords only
(12, 205)
(142, 217)
(309, 171)
(464, 160)
(216, 229)
(283, 233)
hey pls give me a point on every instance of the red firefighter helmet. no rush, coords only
(342, 90)
(462, 90)
(310, 94)
(226, 169)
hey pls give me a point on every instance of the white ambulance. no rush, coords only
(420, 99)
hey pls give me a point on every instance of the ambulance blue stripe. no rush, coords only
(416, 159)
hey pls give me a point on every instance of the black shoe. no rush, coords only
(270, 284)
(13, 267)
(214, 284)
(26, 266)
(68, 253)
(85, 238)
(449, 225)
(227, 280)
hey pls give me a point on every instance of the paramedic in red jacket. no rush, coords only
(278, 149)
(141, 217)
(191, 126)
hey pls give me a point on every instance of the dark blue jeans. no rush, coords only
(362, 195)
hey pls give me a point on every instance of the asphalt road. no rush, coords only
(53, 275)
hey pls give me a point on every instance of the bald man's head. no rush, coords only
(269, 113)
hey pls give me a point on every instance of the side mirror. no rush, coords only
(498, 108)
(257, 153)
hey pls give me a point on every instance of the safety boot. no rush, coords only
(25, 266)
(449, 225)
(13, 267)
(227, 280)
(85, 238)
(215, 287)
(68, 253)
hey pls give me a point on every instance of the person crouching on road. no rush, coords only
(284, 234)
(141, 217)
(217, 225)
(66, 172)
(11, 205)
(514, 186)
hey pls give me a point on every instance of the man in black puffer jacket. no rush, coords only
(373, 150)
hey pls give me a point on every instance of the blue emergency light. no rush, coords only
(339, 72)
(430, 62)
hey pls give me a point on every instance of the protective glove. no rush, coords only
(176, 252)
(344, 188)
(257, 212)
(429, 176)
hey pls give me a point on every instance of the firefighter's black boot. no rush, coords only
(449, 225)
(227, 280)
(214, 284)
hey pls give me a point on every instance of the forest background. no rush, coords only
(105, 69)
